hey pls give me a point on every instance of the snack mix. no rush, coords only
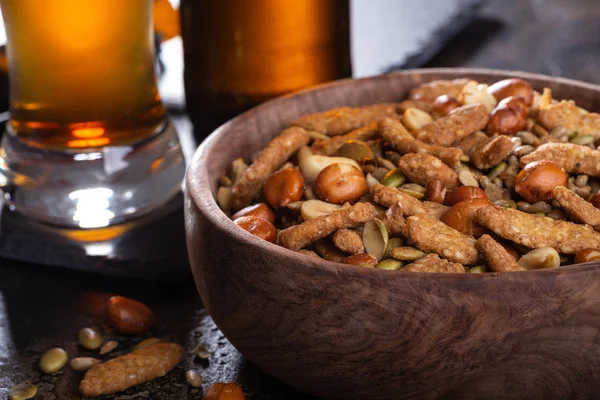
(460, 177)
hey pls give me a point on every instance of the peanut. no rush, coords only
(284, 187)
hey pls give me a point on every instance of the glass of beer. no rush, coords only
(88, 143)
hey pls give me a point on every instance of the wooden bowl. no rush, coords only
(345, 332)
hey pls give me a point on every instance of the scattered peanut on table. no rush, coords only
(460, 176)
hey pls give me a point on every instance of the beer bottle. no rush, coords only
(238, 53)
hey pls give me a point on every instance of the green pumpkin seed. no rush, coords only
(356, 150)
(83, 363)
(53, 360)
(90, 339)
(479, 269)
(393, 156)
(498, 169)
(583, 140)
(375, 238)
(505, 203)
(392, 243)
(22, 391)
(393, 178)
(389, 264)
(406, 253)
(412, 193)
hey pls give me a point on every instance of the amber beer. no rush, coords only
(81, 72)
(238, 52)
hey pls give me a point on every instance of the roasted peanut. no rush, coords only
(311, 166)
(224, 391)
(340, 183)
(260, 210)
(509, 117)
(587, 255)
(129, 316)
(542, 258)
(362, 260)
(460, 216)
(258, 227)
(463, 193)
(475, 93)
(316, 208)
(435, 191)
(443, 104)
(536, 182)
(415, 119)
(356, 150)
(284, 187)
(512, 87)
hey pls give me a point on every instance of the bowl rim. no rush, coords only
(197, 180)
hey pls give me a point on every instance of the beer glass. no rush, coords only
(88, 143)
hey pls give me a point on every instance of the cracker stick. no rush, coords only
(450, 129)
(422, 168)
(299, 236)
(348, 241)
(131, 369)
(571, 157)
(401, 140)
(534, 231)
(345, 119)
(433, 236)
(388, 196)
(496, 256)
(269, 160)
(577, 208)
(431, 90)
(433, 263)
(567, 115)
(472, 143)
(493, 153)
(330, 146)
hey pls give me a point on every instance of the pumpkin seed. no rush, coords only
(385, 163)
(498, 169)
(542, 258)
(375, 238)
(465, 158)
(392, 243)
(557, 214)
(317, 208)
(53, 360)
(478, 269)
(406, 253)
(393, 178)
(529, 138)
(193, 378)
(389, 264)
(506, 203)
(412, 193)
(371, 180)
(90, 339)
(146, 343)
(393, 156)
(109, 346)
(583, 140)
(355, 150)
(83, 363)
(380, 173)
(523, 150)
(22, 391)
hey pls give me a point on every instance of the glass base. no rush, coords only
(91, 188)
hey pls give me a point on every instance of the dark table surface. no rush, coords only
(43, 307)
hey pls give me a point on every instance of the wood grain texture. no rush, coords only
(345, 332)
